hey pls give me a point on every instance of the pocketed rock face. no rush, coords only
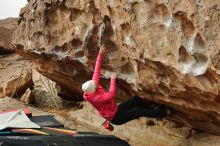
(7, 28)
(165, 51)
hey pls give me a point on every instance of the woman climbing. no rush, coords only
(105, 104)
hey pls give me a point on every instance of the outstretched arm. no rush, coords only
(98, 65)
(112, 91)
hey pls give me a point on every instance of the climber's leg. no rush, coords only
(132, 102)
(125, 115)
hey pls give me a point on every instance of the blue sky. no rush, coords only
(11, 8)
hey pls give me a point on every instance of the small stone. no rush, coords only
(28, 97)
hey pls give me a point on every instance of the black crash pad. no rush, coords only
(46, 121)
(78, 140)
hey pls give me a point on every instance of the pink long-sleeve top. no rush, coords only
(103, 101)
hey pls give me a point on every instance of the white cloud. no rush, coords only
(11, 8)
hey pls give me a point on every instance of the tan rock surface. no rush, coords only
(7, 28)
(28, 97)
(165, 51)
(10, 66)
(141, 132)
(17, 84)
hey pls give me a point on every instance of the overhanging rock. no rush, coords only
(165, 52)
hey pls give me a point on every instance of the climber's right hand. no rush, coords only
(114, 76)
(102, 49)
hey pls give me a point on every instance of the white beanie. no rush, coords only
(89, 86)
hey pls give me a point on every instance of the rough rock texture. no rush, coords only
(28, 97)
(165, 51)
(10, 67)
(7, 28)
(21, 84)
(46, 93)
(146, 131)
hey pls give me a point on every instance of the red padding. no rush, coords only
(26, 111)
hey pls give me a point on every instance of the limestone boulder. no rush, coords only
(17, 85)
(163, 51)
(48, 94)
(7, 28)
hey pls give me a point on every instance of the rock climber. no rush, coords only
(105, 104)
